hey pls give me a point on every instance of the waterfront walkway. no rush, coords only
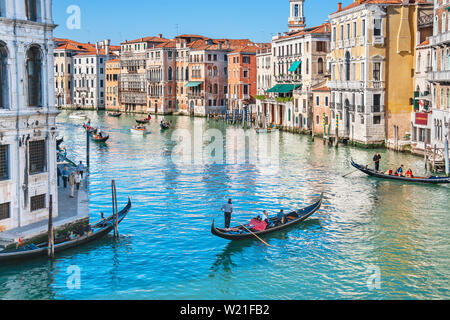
(71, 210)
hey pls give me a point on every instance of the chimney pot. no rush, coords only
(339, 6)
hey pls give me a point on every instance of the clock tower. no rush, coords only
(296, 19)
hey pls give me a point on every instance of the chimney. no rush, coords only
(339, 6)
(96, 47)
(160, 35)
(107, 43)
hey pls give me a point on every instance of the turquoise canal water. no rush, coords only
(372, 239)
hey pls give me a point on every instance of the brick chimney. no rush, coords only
(339, 6)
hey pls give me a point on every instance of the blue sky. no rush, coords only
(121, 20)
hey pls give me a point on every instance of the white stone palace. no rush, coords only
(27, 113)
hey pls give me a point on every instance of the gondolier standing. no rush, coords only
(377, 159)
(227, 208)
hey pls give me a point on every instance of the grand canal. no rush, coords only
(371, 240)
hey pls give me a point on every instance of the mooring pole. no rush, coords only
(51, 236)
(87, 150)
(447, 166)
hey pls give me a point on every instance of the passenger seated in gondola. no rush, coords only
(409, 174)
(257, 225)
(389, 172)
(399, 171)
(281, 217)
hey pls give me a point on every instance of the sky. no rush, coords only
(120, 20)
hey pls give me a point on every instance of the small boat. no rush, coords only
(97, 230)
(165, 125)
(78, 116)
(99, 139)
(115, 114)
(377, 174)
(143, 121)
(59, 142)
(293, 218)
(139, 129)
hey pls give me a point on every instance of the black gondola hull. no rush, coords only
(303, 215)
(103, 228)
(373, 173)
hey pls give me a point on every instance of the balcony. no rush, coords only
(332, 105)
(340, 44)
(439, 76)
(346, 43)
(376, 84)
(351, 108)
(361, 109)
(339, 106)
(295, 78)
(333, 45)
(353, 42)
(196, 95)
(378, 109)
(346, 85)
(440, 38)
(361, 41)
(378, 40)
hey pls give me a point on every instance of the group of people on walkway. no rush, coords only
(400, 172)
(72, 178)
(260, 223)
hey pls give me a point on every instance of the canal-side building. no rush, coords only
(162, 74)
(372, 52)
(299, 63)
(242, 78)
(439, 76)
(322, 113)
(133, 74)
(27, 113)
(112, 73)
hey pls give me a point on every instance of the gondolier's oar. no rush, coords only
(252, 232)
(349, 173)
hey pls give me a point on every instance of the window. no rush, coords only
(377, 27)
(4, 162)
(32, 10)
(377, 120)
(37, 157)
(347, 66)
(377, 71)
(37, 202)
(317, 101)
(5, 211)
(4, 101)
(34, 73)
(170, 74)
(320, 66)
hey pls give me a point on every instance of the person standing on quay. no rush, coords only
(377, 159)
(72, 184)
(81, 168)
(65, 176)
(78, 178)
(227, 208)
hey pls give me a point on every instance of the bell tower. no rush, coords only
(296, 19)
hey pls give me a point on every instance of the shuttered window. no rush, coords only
(4, 162)
(5, 211)
(37, 202)
(37, 157)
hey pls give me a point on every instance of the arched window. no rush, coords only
(182, 74)
(170, 74)
(31, 7)
(3, 77)
(187, 74)
(320, 66)
(34, 74)
(347, 66)
(216, 89)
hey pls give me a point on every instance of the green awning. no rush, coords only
(274, 89)
(284, 88)
(295, 66)
(192, 84)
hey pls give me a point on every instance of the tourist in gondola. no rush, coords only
(281, 217)
(400, 170)
(227, 208)
(409, 174)
(376, 160)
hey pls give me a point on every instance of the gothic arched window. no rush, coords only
(34, 74)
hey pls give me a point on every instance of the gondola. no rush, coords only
(382, 175)
(114, 114)
(165, 125)
(59, 141)
(144, 121)
(99, 229)
(102, 139)
(140, 131)
(293, 218)
(91, 130)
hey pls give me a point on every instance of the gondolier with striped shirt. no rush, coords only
(227, 208)
(377, 159)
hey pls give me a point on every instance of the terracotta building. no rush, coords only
(112, 84)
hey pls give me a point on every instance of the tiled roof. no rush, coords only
(385, 2)
(323, 28)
